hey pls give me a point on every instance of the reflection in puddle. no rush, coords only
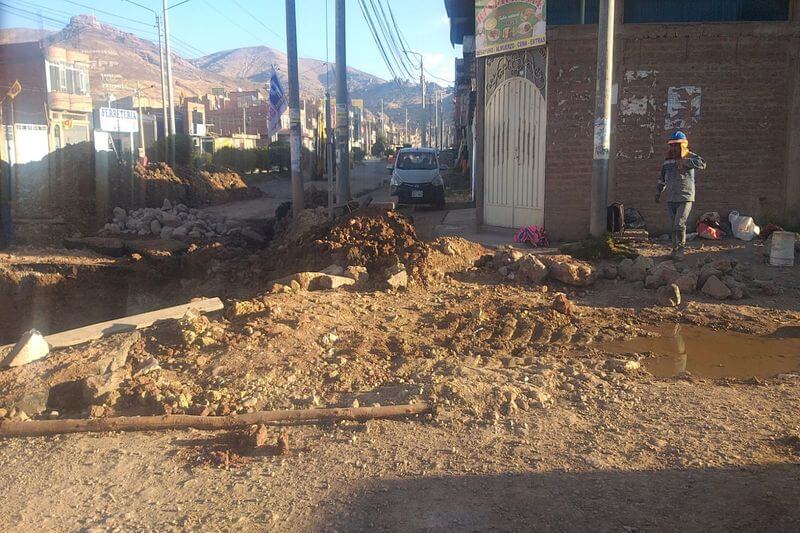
(712, 354)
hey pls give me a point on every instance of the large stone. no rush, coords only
(114, 352)
(706, 272)
(714, 288)
(562, 304)
(328, 281)
(155, 227)
(31, 347)
(396, 276)
(96, 388)
(333, 270)
(609, 271)
(572, 272)
(253, 236)
(531, 269)
(687, 283)
(669, 295)
(630, 270)
(663, 274)
(180, 232)
(33, 403)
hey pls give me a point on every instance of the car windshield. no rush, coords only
(416, 161)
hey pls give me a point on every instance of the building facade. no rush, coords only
(727, 73)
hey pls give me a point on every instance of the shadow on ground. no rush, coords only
(759, 498)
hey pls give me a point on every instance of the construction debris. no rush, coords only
(31, 347)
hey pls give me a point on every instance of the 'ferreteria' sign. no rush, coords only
(508, 25)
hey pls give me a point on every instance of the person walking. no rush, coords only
(677, 180)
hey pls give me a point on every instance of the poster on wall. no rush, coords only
(683, 107)
(508, 25)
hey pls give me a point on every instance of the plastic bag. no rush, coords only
(743, 227)
(707, 232)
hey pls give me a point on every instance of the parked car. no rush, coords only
(417, 178)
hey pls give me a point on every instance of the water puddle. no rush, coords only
(714, 354)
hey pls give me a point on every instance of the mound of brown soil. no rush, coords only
(375, 238)
(217, 187)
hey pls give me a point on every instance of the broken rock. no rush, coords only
(31, 347)
(572, 272)
(562, 304)
(396, 276)
(669, 295)
(327, 281)
(531, 269)
(96, 388)
(715, 288)
(687, 283)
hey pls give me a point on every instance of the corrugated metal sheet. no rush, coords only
(645, 11)
(516, 121)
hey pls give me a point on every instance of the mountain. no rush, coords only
(119, 59)
(22, 35)
(254, 64)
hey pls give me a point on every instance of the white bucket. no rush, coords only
(782, 253)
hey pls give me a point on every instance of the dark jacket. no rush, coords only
(677, 178)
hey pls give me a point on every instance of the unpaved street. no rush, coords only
(541, 421)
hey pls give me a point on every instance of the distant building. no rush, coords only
(53, 108)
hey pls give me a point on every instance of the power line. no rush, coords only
(395, 41)
(389, 42)
(209, 4)
(377, 40)
(248, 13)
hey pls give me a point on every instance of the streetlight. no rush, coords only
(160, 62)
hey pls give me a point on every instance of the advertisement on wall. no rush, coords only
(508, 25)
(118, 120)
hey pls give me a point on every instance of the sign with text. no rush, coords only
(508, 25)
(119, 120)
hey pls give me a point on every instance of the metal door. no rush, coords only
(514, 156)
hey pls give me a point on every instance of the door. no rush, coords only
(514, 151)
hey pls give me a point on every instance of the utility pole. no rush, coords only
(383, 125)
(329, 147)
(295, 132)
(405, 130)
(602, 121)
(141, 120)
(424, 110)
(342, 98)
(163, 76)
(437, 141)
(244, 119)
(170, 93)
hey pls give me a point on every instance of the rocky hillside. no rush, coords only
(119, 59)
(254, 64)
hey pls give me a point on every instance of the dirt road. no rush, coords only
(540, 424)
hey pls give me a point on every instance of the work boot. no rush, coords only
(678, 244)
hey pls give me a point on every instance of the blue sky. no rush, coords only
(206, 26)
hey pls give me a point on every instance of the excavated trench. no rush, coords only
(53, 298)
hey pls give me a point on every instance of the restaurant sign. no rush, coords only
(508, 25)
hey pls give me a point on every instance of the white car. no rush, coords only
(417, 177)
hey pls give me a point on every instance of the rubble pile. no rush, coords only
(220, 186)
(376, 239)
(720, 279)
(524, 267)
(177, 222)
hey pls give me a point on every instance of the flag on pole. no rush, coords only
(15, 89)
(277, 103)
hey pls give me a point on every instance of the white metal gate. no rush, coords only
(514, 157)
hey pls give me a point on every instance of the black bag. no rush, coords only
(615, 218)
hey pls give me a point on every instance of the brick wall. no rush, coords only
(743, 131)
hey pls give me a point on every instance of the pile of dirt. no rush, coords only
(216, 187)
(158, 182)
(376, 238)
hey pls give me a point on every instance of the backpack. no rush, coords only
(615, 218)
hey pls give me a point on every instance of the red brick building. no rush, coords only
(725, 72)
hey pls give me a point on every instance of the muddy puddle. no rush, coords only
(713, 354)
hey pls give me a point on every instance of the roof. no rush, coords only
(462, 19)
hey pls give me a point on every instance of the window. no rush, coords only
(566, 12)
(67, 79)
(644, 11)
(416, 161)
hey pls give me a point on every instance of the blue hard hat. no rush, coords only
(678, 137)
